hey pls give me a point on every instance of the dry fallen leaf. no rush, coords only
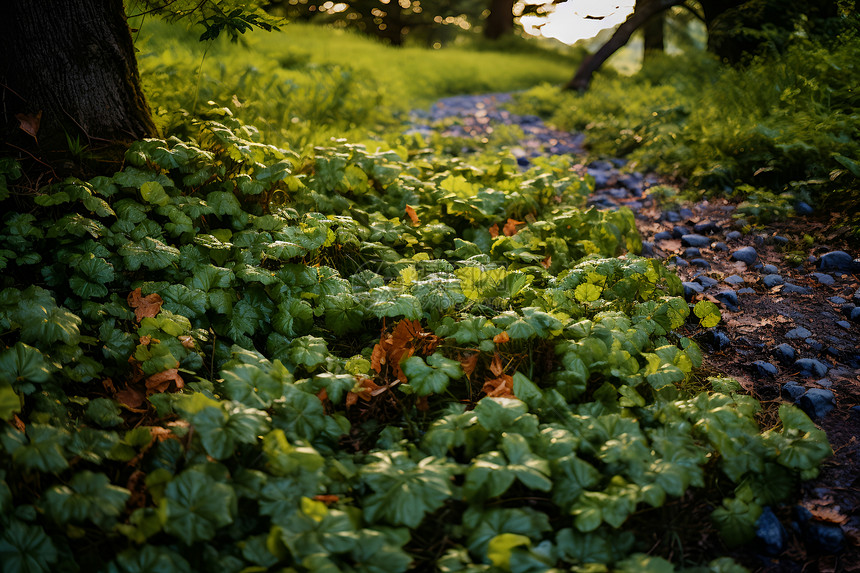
(322, 395)
(130, 397)
(327, 498)
(469, 363)
(186, 341)
(144, 306)
(547, 262)
(494, 230)
(501, 338)
(501, 387)
(29, 123)
(496, 365)
(511, 227)
(160, 382)
(413, 216)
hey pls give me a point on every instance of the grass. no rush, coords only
(307, 84)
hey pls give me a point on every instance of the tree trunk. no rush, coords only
(654, 37)
(73, 64)
(643, 12)
(501, 19)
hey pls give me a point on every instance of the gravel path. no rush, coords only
(789, 332)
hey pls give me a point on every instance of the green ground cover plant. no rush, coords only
(233, 356)
(780, 123)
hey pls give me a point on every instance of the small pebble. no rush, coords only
(706, 281)
(663, 236)
(719, 340)
(792, 390)
(694, 240)
(734, 280)
(837, 260)
(747, 255)
(771, 281)
(671, 216)
(691, 289)
(784, 353)
(803, 208)
(780, 240)
(770, 269)
(816, 402)
(792, 288)
(837, 300)
(824, 278)
(854, 316)
(825, 537)
(811, 368)
(814, 344)
(733, 235)
(764, 369)
(721, 246)
(770, 533)
(729, 298)
(706, 228)
(679, 262)
(746, 290)
(691, 252)
(701, 263)
(686, 213)
(844, 324)
(798, 333)
(678, 232)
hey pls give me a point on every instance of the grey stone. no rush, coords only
(733, 235)
(780, 240)
(825, 382)
(844, 324)
(647, 249)
(671, 216)
(719, 340)
(792, 288)
(784, 353)
(836, 260)
(798, 333)
(729, 298)
(747, 255)
(734, 280)
(803, 208)
(854, 316)
(812, 259)
(824, 278)
(770, 533)
(663, 235)
(685, 213)
(721, 246)
(746, 290)
(764, 369)
(792, 390)
(814, 344)
(770, 269)
(678, 231)
(848, 308)
(691, 289)
(679, 262)
(825, 537)
(816, 402)
(837, 300)
(771, 281)
(811, 368)
(701, 263)
(706, 228)
(691, 252)
(693, 240)
(706, 282)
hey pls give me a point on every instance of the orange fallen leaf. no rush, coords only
(494, 230)
(496, 365)
(144, 306)
(377, 358)
(469, 363)
(422, 404)
(547, 262)
(160, 382)
(130, 397)
(322, 395)
(29, 123)
(146, 340)
(501, 387)
(368, 389)
(413, 216)
(327, 498)
(511, 227)
(501, 337)
(186, 341)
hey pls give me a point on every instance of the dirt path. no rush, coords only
(790, 327)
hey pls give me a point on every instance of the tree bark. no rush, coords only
(654, 37)
(73, 62)
(501, 19)
(643, 12)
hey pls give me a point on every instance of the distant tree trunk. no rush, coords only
(654, 37)
(73, 62)
(501, 19)
(643, 12)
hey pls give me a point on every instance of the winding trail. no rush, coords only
(789, 333)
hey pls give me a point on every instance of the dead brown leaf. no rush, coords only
(494, 230)
(413, 216)
(29, 123)
(130, 398)
(327, 498)
(144, 306)
(501, 337)
(512, 227)
(186, 341)
(501, 387)
(496, 365)
(160, 382)
(469, 363)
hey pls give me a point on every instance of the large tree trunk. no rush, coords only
(643, 12)
(72, 64)
(501, 19)
(654, 37)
